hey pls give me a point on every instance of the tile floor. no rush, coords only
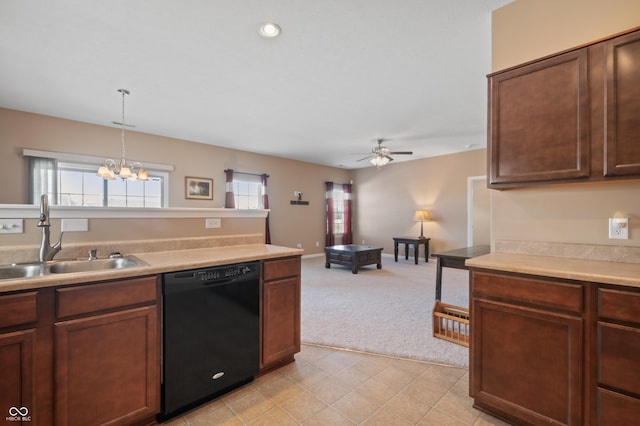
(334, 387)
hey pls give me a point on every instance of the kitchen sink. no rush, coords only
(68, 266)
(10, 272)
(25, 270)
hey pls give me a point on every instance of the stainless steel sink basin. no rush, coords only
(25, 270)
(10, 272)
(68, 266)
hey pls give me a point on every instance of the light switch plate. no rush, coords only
(11, 226)
(212, 223)
(75, 225)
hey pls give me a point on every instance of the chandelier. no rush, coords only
(132, 171)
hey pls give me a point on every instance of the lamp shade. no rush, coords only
(421, 215)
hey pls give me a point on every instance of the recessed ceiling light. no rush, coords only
(269, 30)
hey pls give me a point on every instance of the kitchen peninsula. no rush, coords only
(88, 323)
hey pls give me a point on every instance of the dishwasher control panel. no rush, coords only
(231, 271)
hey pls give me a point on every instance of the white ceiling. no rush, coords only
(342, 74)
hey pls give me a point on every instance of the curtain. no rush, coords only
(265, 205)
(330, 239)
(43, 179)
(347, 238)
(229, 201)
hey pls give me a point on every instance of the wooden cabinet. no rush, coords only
(18, 316)
(82, 355)
(622, 100)
(618, 357)
(527, 348)
(551, 351)
(106, 349)
(280, 293)
(570, 117)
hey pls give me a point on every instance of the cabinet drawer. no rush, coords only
(85, 299)
(618, 305)
(615, 409)
(527, 290)
(18, 309)
(619, 357)
(281, 268)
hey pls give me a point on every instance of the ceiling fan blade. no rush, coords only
(364, 158)
(386, 156)
(401, 153)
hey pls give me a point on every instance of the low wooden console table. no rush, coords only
(416, 241)
(353, 255)
(455, 259)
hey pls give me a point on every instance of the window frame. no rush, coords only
(84, 164)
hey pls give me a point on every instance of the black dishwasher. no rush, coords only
(211, 334)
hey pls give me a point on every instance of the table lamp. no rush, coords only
(421, 216)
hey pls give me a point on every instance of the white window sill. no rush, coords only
(28, 211)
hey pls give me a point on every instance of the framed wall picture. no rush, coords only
(198, 188)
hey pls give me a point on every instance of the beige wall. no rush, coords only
(385, 199)
(529, 29)
(289, 224)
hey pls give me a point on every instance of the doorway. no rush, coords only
(478, 211)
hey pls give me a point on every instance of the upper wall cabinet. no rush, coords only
(570, 117)
(622, 100)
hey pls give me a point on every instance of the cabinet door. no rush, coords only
(527, 363)
(539, 121)
(622, 100)
(17, 384)
(106, 368)
(280, 319)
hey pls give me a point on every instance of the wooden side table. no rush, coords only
(416, 241)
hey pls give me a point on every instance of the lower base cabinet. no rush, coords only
(81, 355)
(549, 351)
(280, 294)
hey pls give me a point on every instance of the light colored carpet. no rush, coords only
(386, 311)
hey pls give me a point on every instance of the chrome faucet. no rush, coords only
(47, 252)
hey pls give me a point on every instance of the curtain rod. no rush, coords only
(245, 173)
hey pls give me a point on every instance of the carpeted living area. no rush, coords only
(385, 311)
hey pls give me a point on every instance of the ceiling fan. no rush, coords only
(381, 155)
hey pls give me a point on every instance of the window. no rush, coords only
(338, 211)
(247, 191)
(69, 183)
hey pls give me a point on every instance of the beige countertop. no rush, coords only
(159, 262)
(621, 273)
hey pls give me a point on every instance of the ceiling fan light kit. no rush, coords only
(381, 155)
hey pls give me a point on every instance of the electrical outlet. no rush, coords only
(317, 243)
(618, 228)
(362, 242)
(299, 245)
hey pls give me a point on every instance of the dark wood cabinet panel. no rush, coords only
(18, 309)
(622, 99)
(280, 316)
(527, 363)
(74, 301)
(18, 382)
(106, 368)
(615, 409)
(281, 319)
(619, 357)
(539, 121)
